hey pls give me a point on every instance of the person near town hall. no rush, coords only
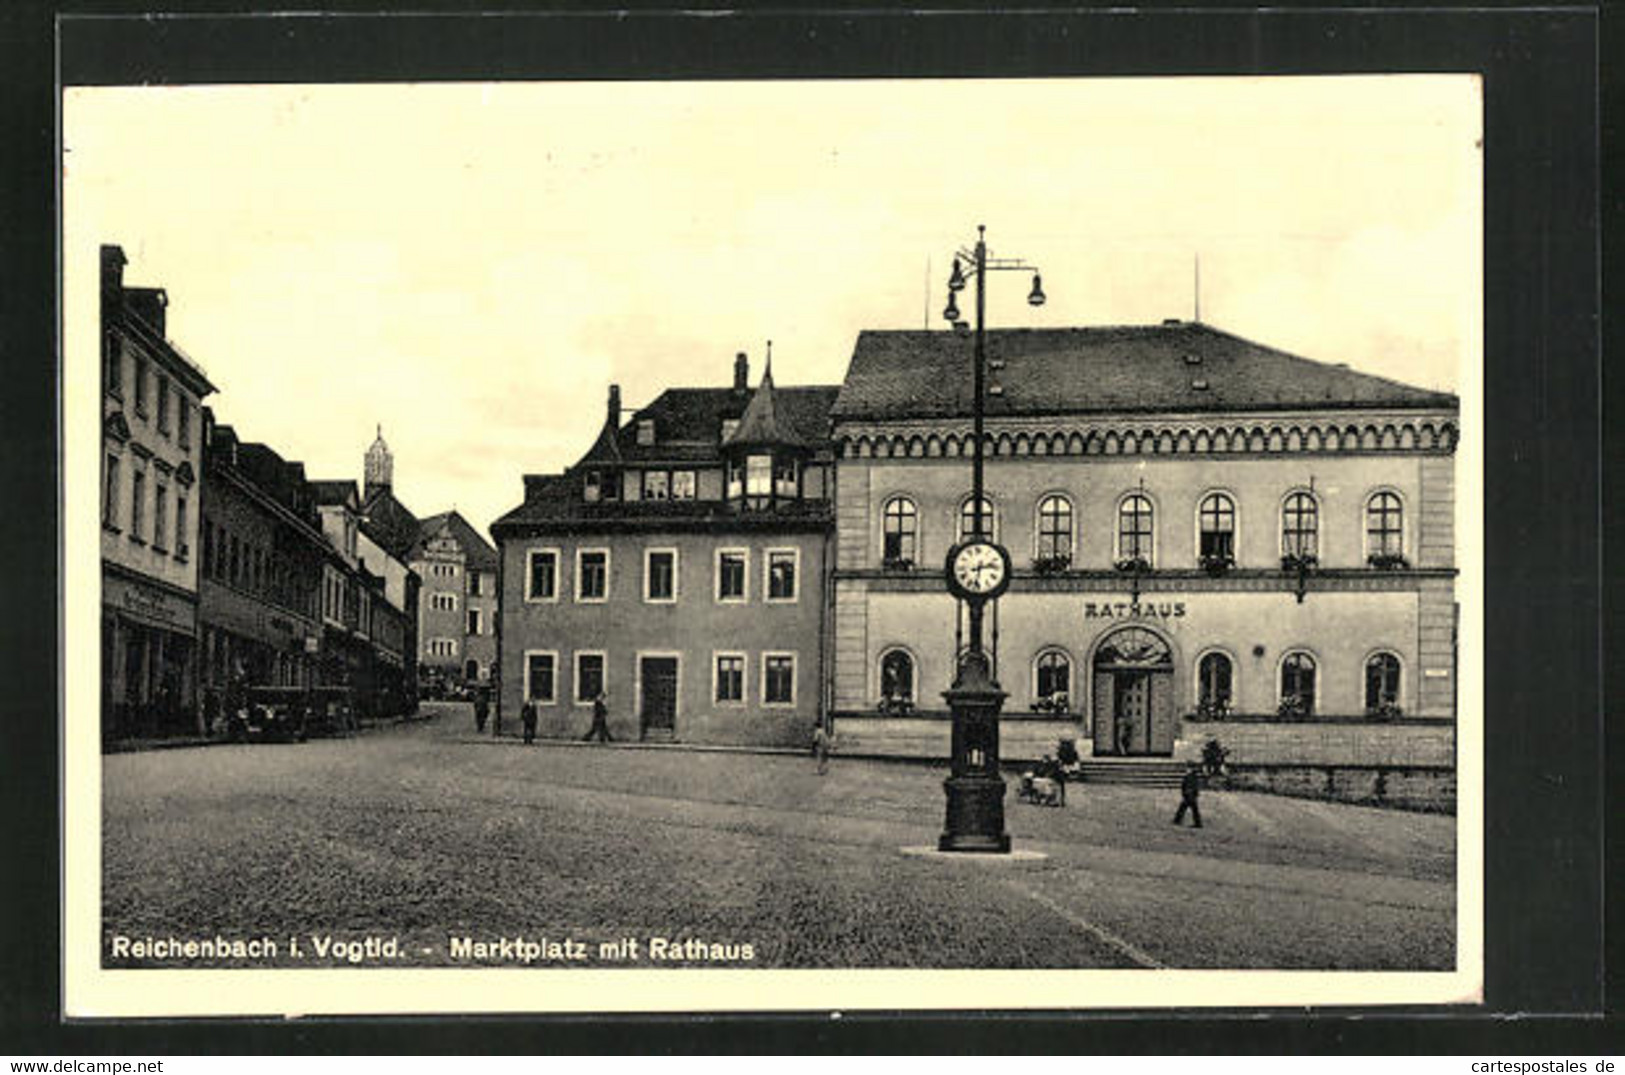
(482, 709)
(527, 717)
(600, 721)
(1190, 786)
(821, 747)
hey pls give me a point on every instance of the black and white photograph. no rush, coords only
(669, 545)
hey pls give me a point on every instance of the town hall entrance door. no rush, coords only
(658, 706)
(1134, 695)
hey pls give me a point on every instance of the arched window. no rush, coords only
(1300, 526)
(1216, 529)
(1381, 682)
(967, 519)
(1298, 685)
(1053, 681)
(1384, 526)
(1134, 528)
(1214, 676)
(896, 677)
(901, 527)
(1055, 529)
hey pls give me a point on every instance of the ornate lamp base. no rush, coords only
(974, 789)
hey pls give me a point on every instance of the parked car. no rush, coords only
(333, 711)
(270, 714)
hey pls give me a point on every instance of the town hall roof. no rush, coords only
(1175, 366)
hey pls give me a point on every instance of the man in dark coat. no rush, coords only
(482, 709)
(600, 721)
(1190, 786)
(527, 717)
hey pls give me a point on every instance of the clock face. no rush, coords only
(979, 568)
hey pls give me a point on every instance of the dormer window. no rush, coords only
(728, 427)
(592, 487)
(646, 431)
(736, 480)
(758, 476)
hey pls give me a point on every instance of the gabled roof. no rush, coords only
(477, 552)
(688, 423)
(553, 504)
(326, 492)
(388, 522)
(604, 449)
(1176, 366)
(760, 424)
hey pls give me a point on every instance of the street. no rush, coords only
(431, 836)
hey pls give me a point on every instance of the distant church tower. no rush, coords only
(379, 472)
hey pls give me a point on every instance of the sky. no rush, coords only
(470, 266)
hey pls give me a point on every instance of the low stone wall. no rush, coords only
(1021, 740)
(1426, 788)
(1401, 744)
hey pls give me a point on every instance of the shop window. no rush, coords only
(900, 522)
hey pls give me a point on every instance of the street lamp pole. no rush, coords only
(977, 571)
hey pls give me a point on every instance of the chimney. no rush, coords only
(615, 406)
(113, 262)
(741, 372)
(148, 304)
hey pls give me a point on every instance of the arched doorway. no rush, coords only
(1134, 694)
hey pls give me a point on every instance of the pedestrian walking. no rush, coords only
(600, 721)
(821, 746)
(527, 716)
(1190, 786)
(482, 710)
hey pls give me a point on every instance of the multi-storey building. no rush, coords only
(453, 631)
(263, 557)
(676, 569)
(365, 626)
(457, 619)
(1211, 538)
(151, 444)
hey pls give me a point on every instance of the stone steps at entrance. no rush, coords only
(1141, 772)
(657, 735)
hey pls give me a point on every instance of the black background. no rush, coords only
(1544, 838)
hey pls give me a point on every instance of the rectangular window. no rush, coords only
(473, 621)
(474, 578)
(589, 676)
(540, 677)
(781, 574)
(732, 571)
(113, 348)
(591, 487)
(183, 420)
(778, 679)
(542, 575)
(785, 483)
(182, 549)
(660, 575)
(758, 475)
(592, 574)
(163, 405)
(141, 386)
(110, 494)
(656, 485)
(138, 503)
(683, 485)
(729, 687)
(160, 515)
